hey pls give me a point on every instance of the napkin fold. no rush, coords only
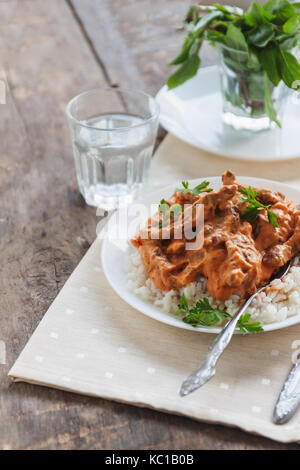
(91, 342)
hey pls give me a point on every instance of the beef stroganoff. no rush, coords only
(248, 234)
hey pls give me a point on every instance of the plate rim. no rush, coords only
(188, 138)
(149, 310)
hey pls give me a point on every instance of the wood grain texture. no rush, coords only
(136, 39)
(50, 51)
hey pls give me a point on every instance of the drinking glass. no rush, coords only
(112, 148)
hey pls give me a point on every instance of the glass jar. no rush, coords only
(243, 88)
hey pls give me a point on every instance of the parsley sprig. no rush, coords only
(168, 211)
(246, 326)
(203, 314)
(201, 188)
(255, 207)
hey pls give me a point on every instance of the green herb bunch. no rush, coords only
(257, 46)
(203, 314)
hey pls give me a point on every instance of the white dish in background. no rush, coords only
(115, 254)
(192, 112)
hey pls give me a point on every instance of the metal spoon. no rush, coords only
(289, 398)
(208, 367)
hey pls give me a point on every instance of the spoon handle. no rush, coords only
(289, 398)
(208, 368)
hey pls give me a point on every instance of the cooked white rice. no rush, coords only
(281, 301)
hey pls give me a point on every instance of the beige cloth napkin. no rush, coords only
(92, 342)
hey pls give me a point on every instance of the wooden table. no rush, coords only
(50, 51)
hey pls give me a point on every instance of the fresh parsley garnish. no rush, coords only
(175, 209)
(254, 207)
(203, 314)
(246, 326)
(201, 188)
(163, 206)
(168, 211)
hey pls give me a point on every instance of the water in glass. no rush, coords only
(112, 166)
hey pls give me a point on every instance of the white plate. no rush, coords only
(115, 255)
(192, 112)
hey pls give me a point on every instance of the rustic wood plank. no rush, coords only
(136, 39)
(45, 227)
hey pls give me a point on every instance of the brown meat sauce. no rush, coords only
(236, 257)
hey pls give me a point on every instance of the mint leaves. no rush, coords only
(235, 39)
(268, 102)
(203, 314)
(260, 37)
(187, 70)
(292, 25)
(280, 65)
(256, 15)
(264, 35)
(269, 58)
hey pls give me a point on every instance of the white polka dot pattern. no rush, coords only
(90, 342)
(224, 386)
(256, 409)
(80, 356)
(39, 358)
(275, 352)
(108, 375)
